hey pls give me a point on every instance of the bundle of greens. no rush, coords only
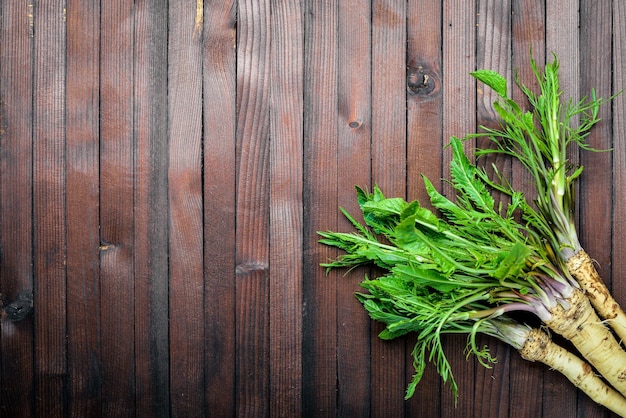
(539, 139)
(465, 268)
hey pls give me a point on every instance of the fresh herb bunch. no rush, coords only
(463, 269)
(449, 272)
(540, 140)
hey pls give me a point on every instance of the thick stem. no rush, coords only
(582, 268)
(539, 347)
(580, 324)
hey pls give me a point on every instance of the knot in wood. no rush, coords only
(20, 307)
(419, 81)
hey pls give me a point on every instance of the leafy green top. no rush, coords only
(451, 272)
(539, 139)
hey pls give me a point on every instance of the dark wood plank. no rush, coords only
(528, 28)
(458, 109)
(618, 124)
(49, 226)
(424, 96)
(424, 148)
(117, 300)
(562, 39)
(82, 206)
(200, 137)
(617, 264)
(252, 232)
(389, 172)
(353, 168)
(151, 210)
(286, 153)
(596, 194)
(320, 209)
(493, 51)
(186, 212)
(219, 85)
(16, 211)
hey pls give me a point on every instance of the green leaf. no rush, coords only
(513, 262)
(426, 277)
(361, 195)
(376, 313)
(422, 216)
(385, 207)
(465, 179)
(363, 230)
(493, 80)
(445, 205)
(575, 174)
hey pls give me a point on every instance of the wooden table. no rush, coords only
(165, 167)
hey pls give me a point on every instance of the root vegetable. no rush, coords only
(539, 139)
(539, 347)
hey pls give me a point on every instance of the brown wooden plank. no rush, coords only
(618, 157)
(562, 39)
(458, 109)
(320, 209)
(424, 149)
(389, 172)
(618, 116)
(116, 207)
(219, 86)
(529, 378)
(493, 51)
(528, 28)
(252, 230)
(353, 168)
(16, 199)
(186, 212)
(49, 210)
(595, 193)
(151, 210)
(424, 96)
(618, 123)
(82, 206)
(250, 352)
(286, 153)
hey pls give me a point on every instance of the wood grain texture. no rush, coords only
(528, 32)
(458, 110)
(82, 196)
(493, 51)
(49, 223)
(165, 167)
(186, 239)
(353, 169)
(219, 118)
(389, 157)
(595, 193)
(285, 200)
(563, 39)
(252, 228)
(117, 239)
(618, 125)
(424, 149)
(16, 210)
(320, 165)
(151, 210)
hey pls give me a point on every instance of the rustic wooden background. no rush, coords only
(165, 167)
